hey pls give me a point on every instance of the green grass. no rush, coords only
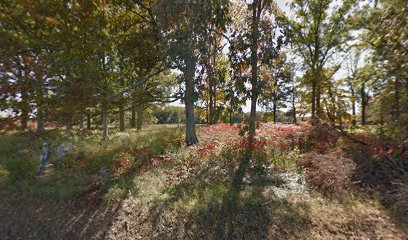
(283, 159)
(19, 158)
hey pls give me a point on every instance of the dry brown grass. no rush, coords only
(330, 173)
(401, 197)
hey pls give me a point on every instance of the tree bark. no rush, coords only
(294, 102)
(313, 97)
(207, 107)
(215, 115)
(191, 136)
(25, 109)
(40, 120)
(397, 100)
(231, 114)
(214, 84)
(122, 110)
(25, 101)
(353, 106)
(88, 120)
(105, 134)
(275, 120)
(69, 123)
(254, 66)
(81, 122)
(211, 85)
(38, 71)
(133, 117)
(121, 118)
(318, 95)
(363, 105)
(211, 114)
(140, 111)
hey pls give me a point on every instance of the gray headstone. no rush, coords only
(44, 157)
(63, 150)
(61, 154)
(68, 148)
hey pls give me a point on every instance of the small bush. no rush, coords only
(114, 193)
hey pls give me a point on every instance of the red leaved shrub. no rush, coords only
(282, 136)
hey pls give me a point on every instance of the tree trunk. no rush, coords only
(121, 118)
(25, 101)
(396, 100)
(275, 119)
(24, 109)
(215, 115)
(40, 120)
(122, 109)
(211, 87)
(69, 123)
(81, 122)
(133, 117)
(140, 110)
(294, 102)
(313, 97)
(353, 106)
(105, 121)
(214, 85)
(382, 118)
(207, 106)
(211, 115)
(254, 67)
(363, 105)
(318, 95)
(231, 114)
(88, 121)
(40, 99)
(191, 136)
(275, 101)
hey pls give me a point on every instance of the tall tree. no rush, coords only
(383, 30)
(185, 27)
(319, 29)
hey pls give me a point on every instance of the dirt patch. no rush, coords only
(357, 220)
(52, 220)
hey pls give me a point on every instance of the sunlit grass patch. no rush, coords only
(284, 159)
(19, 158)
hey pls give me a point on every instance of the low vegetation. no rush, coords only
(205, 191)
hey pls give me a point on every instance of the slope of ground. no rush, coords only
(205, 192)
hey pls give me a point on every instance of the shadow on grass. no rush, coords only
(48, 219)
(236, 208)
(386, 180)
(68, 203)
